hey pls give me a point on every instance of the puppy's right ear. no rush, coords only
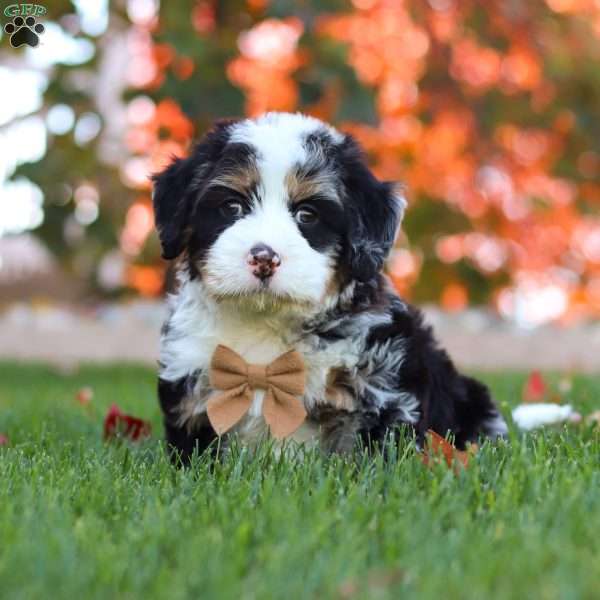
(172, 205)
(176, 187)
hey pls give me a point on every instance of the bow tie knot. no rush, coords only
(257, 376)
(282, 379)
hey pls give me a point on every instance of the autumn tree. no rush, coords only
(487, 111)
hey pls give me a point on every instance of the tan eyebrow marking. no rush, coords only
(300, 186)
(242, 179)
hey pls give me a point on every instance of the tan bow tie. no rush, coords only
(283, 381)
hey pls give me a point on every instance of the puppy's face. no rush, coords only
(275, 211)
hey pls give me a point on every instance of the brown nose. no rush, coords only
(263, 260)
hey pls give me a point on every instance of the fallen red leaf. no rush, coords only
(535, 388)
(437, 447)
(118, 424)
(4, 441)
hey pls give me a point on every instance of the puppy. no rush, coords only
(280, 232)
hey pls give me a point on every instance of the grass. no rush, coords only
(80, 518)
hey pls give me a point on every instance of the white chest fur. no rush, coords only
(198, 324)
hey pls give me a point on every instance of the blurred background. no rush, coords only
(488, 111)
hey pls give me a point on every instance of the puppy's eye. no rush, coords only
(232, 208)
(306, 216)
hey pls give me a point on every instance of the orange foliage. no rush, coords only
(454, 297)
(268, 58)
(139, 222)
(147, 280)
(527, 217)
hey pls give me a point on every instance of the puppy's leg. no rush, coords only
(343, 431)
(182, 438)
(476, 413)
(338, 429)
(389, 426)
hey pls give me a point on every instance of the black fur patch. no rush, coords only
(209, 221)
(182, 441)
(327, 232)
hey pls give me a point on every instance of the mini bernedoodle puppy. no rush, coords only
(281, 232)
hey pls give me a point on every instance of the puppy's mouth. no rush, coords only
(260, 292)
(262, 300)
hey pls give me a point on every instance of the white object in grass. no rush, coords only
(531, 416)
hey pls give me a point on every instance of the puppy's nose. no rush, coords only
(263, 260)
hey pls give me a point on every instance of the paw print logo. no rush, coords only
(24, 31)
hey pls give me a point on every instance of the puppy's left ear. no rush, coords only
(374, 209)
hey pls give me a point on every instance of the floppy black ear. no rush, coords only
(172, 205)
(175, 189)
(374, 213)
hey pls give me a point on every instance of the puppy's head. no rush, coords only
(280, 209)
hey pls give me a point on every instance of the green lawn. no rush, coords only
(80, 518)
